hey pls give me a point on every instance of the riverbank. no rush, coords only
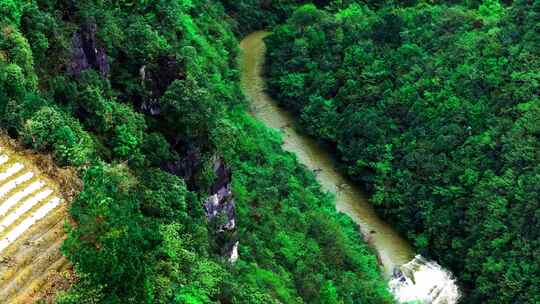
(391, 248)
(413, 278)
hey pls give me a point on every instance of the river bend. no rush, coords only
(391, 248)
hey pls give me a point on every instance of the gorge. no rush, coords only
(409, 274)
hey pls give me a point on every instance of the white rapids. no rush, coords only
(423, 281)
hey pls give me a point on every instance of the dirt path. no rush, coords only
(32, 217)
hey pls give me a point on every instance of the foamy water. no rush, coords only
(25, 207)
(424, 281)
(7, 187)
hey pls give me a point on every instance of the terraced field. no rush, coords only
(32, 217)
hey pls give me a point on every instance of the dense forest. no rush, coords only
(432, 107)
(143, 99)
(435, 109)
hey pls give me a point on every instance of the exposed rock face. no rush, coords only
(223, 174)
(156, 78)
(234, 253)
(220, 206)
(150, 105)
(221, 211)
(86, 52)
(187, 167)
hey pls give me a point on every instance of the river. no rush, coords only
(421, 279)
(391, 248)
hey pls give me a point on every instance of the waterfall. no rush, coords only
(423, 281)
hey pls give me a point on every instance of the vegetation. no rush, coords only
(251, 15)
(122, 90)
(435, 109)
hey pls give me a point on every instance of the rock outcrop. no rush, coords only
(156, 78)
(219, 206)
(187, 167)
(220, 211)
(87, 54)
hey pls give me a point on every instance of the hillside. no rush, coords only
(149, 156)
(182, 201)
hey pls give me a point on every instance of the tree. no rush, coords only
(387, 30)
(51, 129)
(190, 109)
(11, 11)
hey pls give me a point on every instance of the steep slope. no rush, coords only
(32, 214)
(141, 98)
